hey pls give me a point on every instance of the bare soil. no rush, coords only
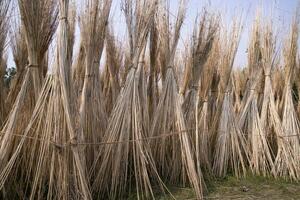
(250, 188)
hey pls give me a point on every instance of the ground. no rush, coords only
(254, 188)
(249, 188)
(244, 189)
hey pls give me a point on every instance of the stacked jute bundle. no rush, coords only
(20, 55)
(93, 119)
(201, 45)
(114, 57)
(4, 12)
(290, 120)
(196, 83)
(271, 122)
(54, 163)
(278, 84)
(204, 106)
(173, 155)
(39, 19)
(3, 93)
(296, 86)
(240, 77)
(119, 121)
(152, 86)
(124, 70)
(78, 71)
(261, 156)
(230, 150)
(128, 166)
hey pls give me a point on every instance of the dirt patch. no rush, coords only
(253, 188)
(231, 188)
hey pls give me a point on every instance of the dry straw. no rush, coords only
(4, 12)
(203, 111)
(3, 92)
(20, 55)
(261, 157)
(58, 171)
(270, 119)
(39, 18)
(230, 150)
(174, 156)
(125, 120)
(78, 71)
(197, 80)
(240, 81)
(114, 56)
(278, 84)
(129, 167)
(290, 120)
(93, 23)
(152, 87)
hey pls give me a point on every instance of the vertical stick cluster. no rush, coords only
(138, 115)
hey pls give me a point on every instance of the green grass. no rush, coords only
(251, 187)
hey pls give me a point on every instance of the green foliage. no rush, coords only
(9, 75)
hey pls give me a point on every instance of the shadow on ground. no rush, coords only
(249, 188)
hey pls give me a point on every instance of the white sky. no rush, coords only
(282, 11)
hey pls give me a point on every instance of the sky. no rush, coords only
(281, 10)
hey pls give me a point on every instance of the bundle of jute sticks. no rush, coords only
(115, 118)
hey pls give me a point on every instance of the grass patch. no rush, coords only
(251, 187)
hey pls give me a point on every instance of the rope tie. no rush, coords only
(227, 91)
(131, 66)
(90, 75)
(195, 87)
(63, 18)
(287, 136)
(57, 146)
(32, 66)
(73, 142)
